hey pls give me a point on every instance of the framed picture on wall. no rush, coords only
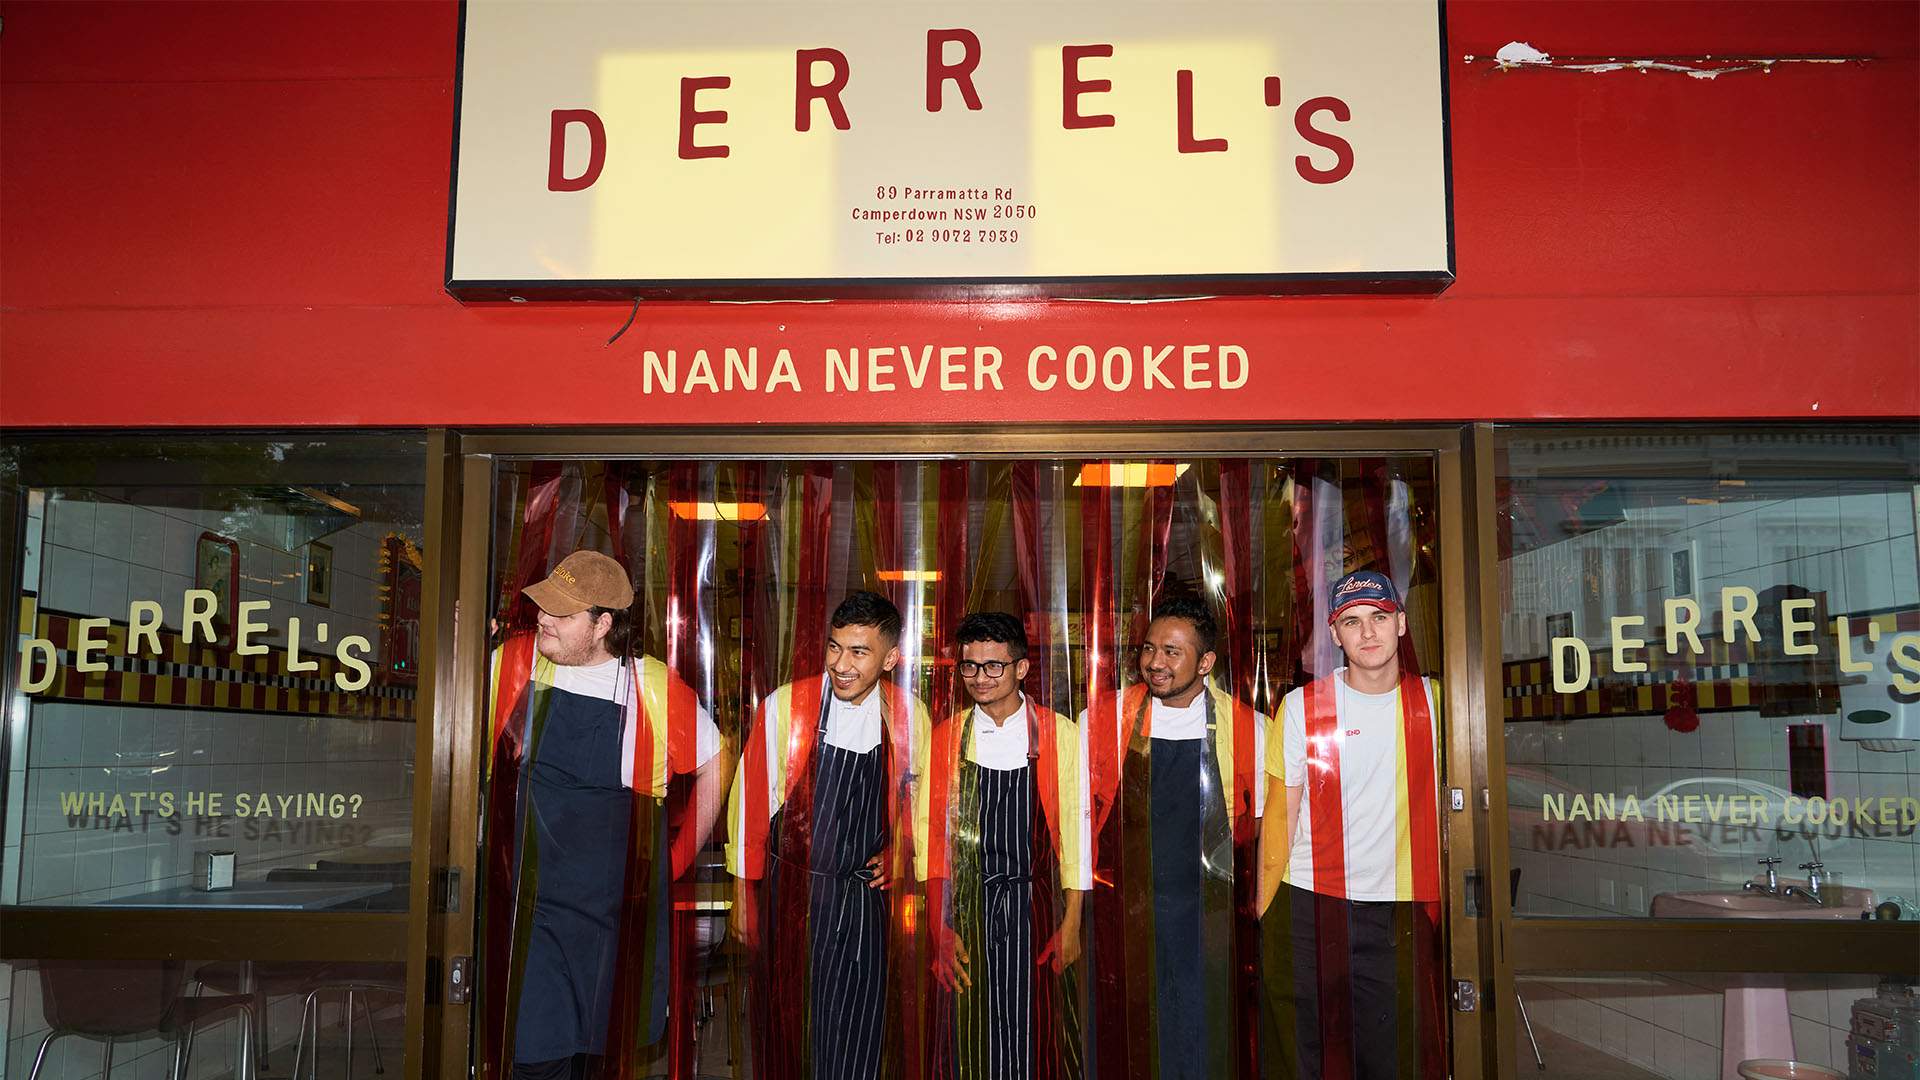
(1559, 625)
(216, 568)
(1685, 564)
(319, 574)
(400, 567)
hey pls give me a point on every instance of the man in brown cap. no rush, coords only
(577, 900)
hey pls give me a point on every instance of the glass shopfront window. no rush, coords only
(133, 1019)
(1701, 1025)
(209, 708)
(1711, 658)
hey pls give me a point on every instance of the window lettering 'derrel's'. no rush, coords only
(96, 637)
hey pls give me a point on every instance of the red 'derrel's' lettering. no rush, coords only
(1342, 149)
(961, 72)
(939, 71)
(1183, 95)
(1072, 86)
(691, 117)
(557, 178)
(806, 91)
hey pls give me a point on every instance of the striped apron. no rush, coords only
(846, 919)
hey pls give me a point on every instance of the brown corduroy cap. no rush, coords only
(583, 579)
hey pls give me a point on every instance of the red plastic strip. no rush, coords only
(1109, 993)
(783, 983)
(1423, 793)
(536, 536)
(1305, 560)
(688, 545)
(613, 489)
(1033, 575)
(1096, 601)
(887, 553)
(1375, 489)
(1327, 817)
(1236, 529)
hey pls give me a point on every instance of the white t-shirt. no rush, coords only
(608, 681)
(1372, 792)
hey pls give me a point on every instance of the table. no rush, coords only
(257, 896)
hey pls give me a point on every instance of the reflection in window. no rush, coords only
(1711, 649)
(220, 644)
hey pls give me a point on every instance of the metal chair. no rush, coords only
(1513, 897)
(259, 981)
(111, 1000)
(354, 981)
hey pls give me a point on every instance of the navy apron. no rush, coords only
(1192, 859)
(579, 815)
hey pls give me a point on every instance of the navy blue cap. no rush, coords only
(1363, 587)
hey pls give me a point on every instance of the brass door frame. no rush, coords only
(466, 559)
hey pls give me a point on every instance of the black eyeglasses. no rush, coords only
(993, 668)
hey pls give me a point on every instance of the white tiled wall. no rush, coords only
(98, 555)
(1670, 1025)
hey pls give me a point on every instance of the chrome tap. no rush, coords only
(1812, 892)
(1773, 878)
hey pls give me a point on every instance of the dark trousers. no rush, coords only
(1337, 997)
(577, 1067)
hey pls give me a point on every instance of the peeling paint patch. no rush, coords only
(1515, 55)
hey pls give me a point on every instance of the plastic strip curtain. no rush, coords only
(1319, 951)
(739, 565)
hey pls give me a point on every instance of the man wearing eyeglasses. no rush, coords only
(1004, 837)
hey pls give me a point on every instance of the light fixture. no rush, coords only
(718, 511)
(908, 575)
(1132, 474)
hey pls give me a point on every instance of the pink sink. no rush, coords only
(1841, 903)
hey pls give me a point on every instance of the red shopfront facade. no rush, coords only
(1680, 302)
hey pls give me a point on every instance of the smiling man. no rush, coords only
(1349, 882)
(812, 816)
(1005, 839)
(587, 739)
(1181, 803)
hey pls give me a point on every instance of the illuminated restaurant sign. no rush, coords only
(822, 149)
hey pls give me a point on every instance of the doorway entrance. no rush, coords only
(738, 564)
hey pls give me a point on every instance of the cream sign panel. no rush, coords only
(1036, 148)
